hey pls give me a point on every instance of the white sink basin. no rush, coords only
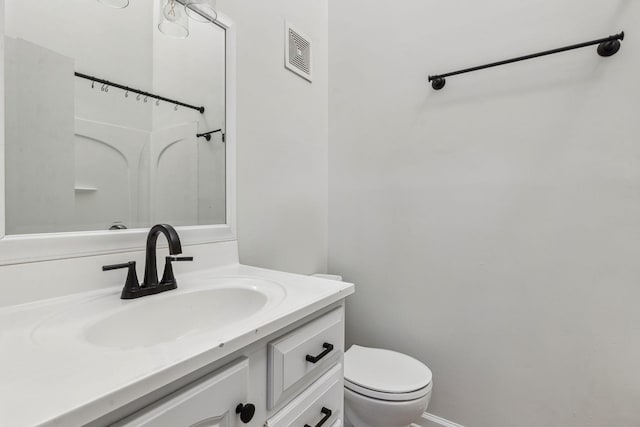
(168, 317)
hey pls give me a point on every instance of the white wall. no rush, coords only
(492, 228)
(282, 137)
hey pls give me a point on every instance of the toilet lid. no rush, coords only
(384, 371)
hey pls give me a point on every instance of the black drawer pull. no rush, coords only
(327, 414)
(328, 348)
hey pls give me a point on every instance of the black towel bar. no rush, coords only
(606, 47)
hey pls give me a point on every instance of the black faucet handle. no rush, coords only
(168, 278)
(117, 266)
(131, 285)
(179, 258)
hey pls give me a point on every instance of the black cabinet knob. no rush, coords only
(246, 412)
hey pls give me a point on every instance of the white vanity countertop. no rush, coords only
(51, 375)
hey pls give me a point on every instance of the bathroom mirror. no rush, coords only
(112, 125)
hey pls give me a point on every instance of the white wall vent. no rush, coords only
(298, 52)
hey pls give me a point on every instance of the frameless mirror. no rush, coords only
(103, 113)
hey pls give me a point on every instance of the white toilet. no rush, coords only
(383, 388)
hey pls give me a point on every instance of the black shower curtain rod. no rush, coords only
(138, 91)
(606, 47)
(207, 135)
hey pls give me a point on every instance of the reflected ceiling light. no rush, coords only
(201, 10)
(174, 21)
(118, 4)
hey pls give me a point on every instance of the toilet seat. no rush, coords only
(385, 374)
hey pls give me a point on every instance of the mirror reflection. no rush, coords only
(121, 127)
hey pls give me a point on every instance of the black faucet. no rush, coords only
(150, 286)
(175, 248)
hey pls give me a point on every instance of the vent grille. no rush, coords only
(298, 53)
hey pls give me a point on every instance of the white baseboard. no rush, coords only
(430, 420)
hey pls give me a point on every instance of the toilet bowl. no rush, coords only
(384, 388)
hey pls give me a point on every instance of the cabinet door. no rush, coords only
(209, 402)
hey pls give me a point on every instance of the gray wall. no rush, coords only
(493, 228)
(282, 137)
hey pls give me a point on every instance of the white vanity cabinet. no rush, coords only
(293, 378)
(284, 362)
(208, 402)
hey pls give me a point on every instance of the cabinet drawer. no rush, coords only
(301, 356)
(320, 404)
